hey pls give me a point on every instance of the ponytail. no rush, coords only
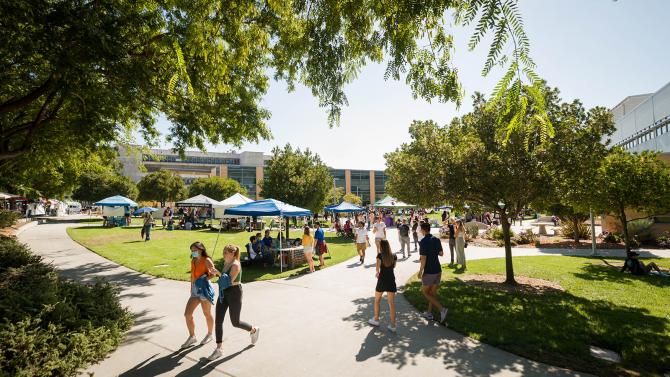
(232, 249)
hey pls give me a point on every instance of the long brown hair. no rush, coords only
(387, 255)
(307, 231)
(232, 249)
(198, 245)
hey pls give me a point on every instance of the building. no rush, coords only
(245, 167)
(643, 122)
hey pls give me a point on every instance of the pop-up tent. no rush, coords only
(116, 201)
(198, 201)
(269, 207)
(235, 200)
(343, 208)
(391, 202)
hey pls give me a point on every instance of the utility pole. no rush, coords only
(593, 233)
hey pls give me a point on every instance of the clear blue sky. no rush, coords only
(598, 51)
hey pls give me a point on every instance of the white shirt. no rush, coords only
(360, 235)
(379, 230)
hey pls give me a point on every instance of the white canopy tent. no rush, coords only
(235, 200)
(197, 201)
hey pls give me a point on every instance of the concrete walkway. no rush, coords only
(311, 325)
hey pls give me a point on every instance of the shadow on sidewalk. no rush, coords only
(154, 365)
(117, 275)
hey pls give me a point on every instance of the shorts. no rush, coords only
(321, 248)
(308, 249)
(194, 293)
(361, 246)
(431, 279)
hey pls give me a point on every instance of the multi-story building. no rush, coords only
(643, 122)
(245, 167)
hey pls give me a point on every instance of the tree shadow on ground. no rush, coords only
(603, 272)
(556, 328)
(155, 365)
(115, 274)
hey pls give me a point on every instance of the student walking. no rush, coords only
(202, 293)
(308, 248)
(146, 226)
(460, 243)
(321, 247)
(362, 240)
(230, 297)
(430, 272)
(452, 240)
(403, 234)
(415, 233)
(386, 261)
(379, 229)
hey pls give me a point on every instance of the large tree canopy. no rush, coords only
(162, 185)
(216, 188)
(82, 72)
(97, 185)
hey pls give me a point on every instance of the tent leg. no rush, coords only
(281, 253)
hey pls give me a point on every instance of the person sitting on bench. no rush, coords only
(256, 253)
(636, 266)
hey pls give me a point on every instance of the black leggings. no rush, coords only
(232, 298)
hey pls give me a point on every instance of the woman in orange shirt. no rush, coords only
(201, 264)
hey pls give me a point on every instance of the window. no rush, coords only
(360, 184)
(380, 184)
(338, 176)
(246, 176)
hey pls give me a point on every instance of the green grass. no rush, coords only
(600, 306)
(168, 255)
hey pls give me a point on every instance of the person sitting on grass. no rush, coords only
(637, 267)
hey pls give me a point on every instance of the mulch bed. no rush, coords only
(524, 284)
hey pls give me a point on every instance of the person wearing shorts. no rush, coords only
(362, 240)
(321, 247)
(201, 264)
(379, 229)
(308, 248)
(430, 271)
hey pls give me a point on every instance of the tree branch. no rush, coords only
(15, 104)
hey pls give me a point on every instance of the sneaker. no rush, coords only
(443, 314)
(373, 322)
(207, 339)
(428, 316)
(218, 352)
(254, 335)
(391, 328)
(189, 342)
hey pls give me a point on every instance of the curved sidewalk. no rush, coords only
(313, 325)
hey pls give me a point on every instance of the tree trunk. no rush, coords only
(287, 222)
(509, 268)
(624, 223)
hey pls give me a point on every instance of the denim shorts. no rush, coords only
(194, 293)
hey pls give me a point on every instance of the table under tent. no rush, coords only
(195, 211)
(116, 210)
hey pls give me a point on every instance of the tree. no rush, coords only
(297, 177)
(81, 73)
(161, 185)
(502, 170)
(216, 188)
(335, 195)
(96, 185)
(353, 199)
(632, 181)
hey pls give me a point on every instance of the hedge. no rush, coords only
(52, 326)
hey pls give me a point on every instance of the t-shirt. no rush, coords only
(360, 235)
(404, 230)
(307, 240)
(267, 241)
(319, 236)
(379, 230)
(430, 247)
(452, 232)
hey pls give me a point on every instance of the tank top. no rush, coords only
(198, 269)
(238, 278)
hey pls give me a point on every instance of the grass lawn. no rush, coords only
(168, 255)
(600, 307)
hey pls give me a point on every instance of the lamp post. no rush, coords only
(593, 233)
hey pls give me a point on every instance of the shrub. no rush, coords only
(640, 230)
(525, 237)
(612, 238)
(471, 231)
(568, 230)
(8, 218)
(497, 234)
(53, 326)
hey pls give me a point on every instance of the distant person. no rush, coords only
(415, 233)
(146, 225)
(444, 216)
(321, 247)
(230, 297)
(362, 240)
(379, 230)
(386, 261)
(430, 272)
(403, 234)
(637, 267)
(452, 240)
(371, 219)
(308, 248)
(202, 270)
(460, 244)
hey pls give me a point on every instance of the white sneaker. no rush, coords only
(218, 352)
(189, 342)
(443, 315)
(207, 339)
(254, 335)
(428, 316)
(391, 328)
(373, 322)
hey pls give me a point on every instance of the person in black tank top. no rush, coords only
(386, 261)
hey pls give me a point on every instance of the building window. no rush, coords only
(338, 176)
(360, 184)
(380, 184)
(246, 176)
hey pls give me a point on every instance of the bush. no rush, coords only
(568, 230)
(526, 237)
(640, 230)
(471, 231)
(663, 241)
(497, 234)
(53, 326)
(8, 218)
(613, 238)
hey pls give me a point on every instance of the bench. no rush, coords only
(542, 226)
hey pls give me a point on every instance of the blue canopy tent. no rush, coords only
(343, 208)
(116, 201)
(269, 207)
(142, 210)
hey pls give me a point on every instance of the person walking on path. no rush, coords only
(452, 240)
(321, 247)
(146, 226)
(386, 261)
(403, 234)
(460, 244)
(202, 269)
(362, 240)
(415, 233)
(230, 297)
(430, 272)
(308, 248)
(371, 219)
(379, 229)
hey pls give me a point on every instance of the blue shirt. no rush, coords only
(430, 247)
(267, 241)
(319, 236)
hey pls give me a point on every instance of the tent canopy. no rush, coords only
(197, 201)
(268, 207)
(116, 201)
(235, 200)
(4, 195)
(344, 207)
(142, 210)
(391, 202)
(445, 206)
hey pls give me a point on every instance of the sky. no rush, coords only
(598, 51)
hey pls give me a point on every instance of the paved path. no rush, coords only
(311, 325)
